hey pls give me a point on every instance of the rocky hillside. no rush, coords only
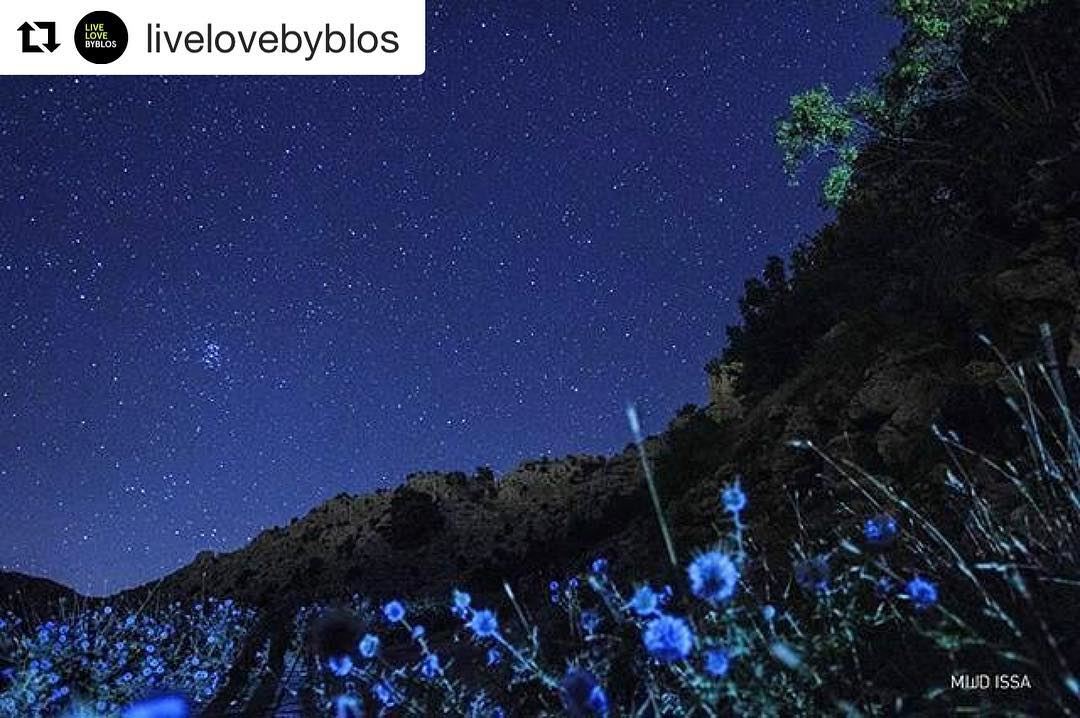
(19, 592)
(971, 225)
(429, 533)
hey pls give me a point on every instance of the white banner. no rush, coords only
(212, 37)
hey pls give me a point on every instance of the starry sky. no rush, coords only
(225, 300)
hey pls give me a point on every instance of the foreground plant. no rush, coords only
(103, 661)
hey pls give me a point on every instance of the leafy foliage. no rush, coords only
(925, 68)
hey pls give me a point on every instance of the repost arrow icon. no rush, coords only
(51, 44)
(26, 28)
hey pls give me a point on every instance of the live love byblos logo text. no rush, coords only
(101, 37)
(283, 39)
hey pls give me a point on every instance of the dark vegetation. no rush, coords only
(981, 169)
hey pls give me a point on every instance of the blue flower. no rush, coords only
(884, 587)
(768, 612)
(733, 498)
(668, 639)
(582, 695)
(717, 662)
(462, 601)
(484, 624)
(384, 693)
(644, 602)
(713, 577)
(346, 706)
(923, 593)
(813, 574)
(590, 621)
(600, 566)
(430, 667)
(340, 665)
(880, 531)
(418, 632)
(493, 656)
(159, 707)
(394, 611)
(369, 646)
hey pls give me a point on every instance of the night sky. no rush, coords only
(225, 300)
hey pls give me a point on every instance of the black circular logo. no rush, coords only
(101, 37)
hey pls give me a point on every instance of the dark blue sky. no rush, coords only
(223, 301)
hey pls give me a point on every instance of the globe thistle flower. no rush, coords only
(493, 656)
(644, 602)
(418, 632)
(346, 706)
(394, 611)
(717, 662)
(368, 646)
(600, 566)
(340, 665)
(429, 667)
(582, 695)
(880, 531)
(484, 624)
(590, 622)
(813, 574)
(668, 639)
(384, 693)
(922, 592)
(461, 602)
(733, 498)
(768, 612)
(713, 577)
